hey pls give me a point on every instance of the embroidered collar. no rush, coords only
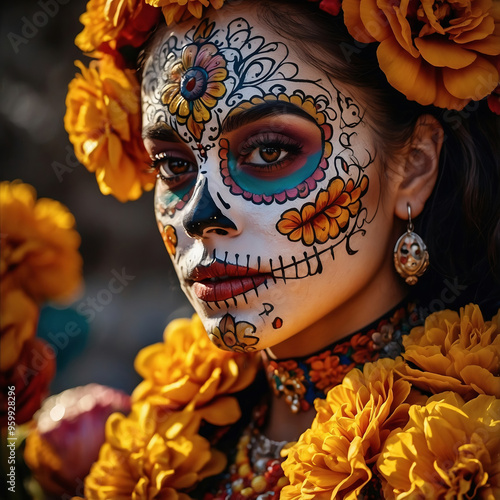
(301, 380)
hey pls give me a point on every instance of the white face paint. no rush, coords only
(267, 181)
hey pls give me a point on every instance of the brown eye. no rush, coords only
(269, 154)
(179, 166)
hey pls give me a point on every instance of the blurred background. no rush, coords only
(36, 64)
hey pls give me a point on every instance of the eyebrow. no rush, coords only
(162, 132)
(260, 111)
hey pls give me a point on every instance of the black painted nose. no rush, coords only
(203, 216)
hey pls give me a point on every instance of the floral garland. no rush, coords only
(435, 52)
(425, 425)
(39, 261)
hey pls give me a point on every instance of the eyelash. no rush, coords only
(289, 145)
(160, 159)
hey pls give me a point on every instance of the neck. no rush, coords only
(357, 311)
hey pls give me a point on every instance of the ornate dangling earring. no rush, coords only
(411, 257)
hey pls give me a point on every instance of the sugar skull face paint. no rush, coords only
(268, 184)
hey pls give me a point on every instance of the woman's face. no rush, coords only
(268, 192)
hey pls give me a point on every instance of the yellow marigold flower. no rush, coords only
(452, 352)
(39, 245)
(146, 456)
(187, 367)
(448, 449)
(18, 320)
(175, 10)
(333, 458)
(116, 23)
(103, 122)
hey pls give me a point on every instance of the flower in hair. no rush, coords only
(111, 24)
(433, 51)
(103, 121)
(175, 10)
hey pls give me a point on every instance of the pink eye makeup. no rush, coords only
(274, 154)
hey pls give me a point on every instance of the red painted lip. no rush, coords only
(222, 281)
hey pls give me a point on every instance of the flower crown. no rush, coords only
(435, 52)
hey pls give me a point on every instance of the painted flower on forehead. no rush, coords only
(196, 85)
(438, 52)
(175, 10)
(103, 122)
(325, 218)
(111, 24)
(448, 449)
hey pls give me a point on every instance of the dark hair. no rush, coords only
(461, 220)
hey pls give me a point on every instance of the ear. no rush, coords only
(418, 167)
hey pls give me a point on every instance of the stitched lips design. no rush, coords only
(222, 281)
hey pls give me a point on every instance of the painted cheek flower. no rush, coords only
(333, 458)
(188, 368)
(196, 86)
(325, 218)
(111, 24)
(436, 52)
(452, 352)
(103, 122)
(234, 336)
(448, 449)
(68, 435)
(175, 10)
(39, 245)
(169, 237)
(146, 456)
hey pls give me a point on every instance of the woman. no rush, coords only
(303, 156)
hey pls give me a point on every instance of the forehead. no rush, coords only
(219, 62)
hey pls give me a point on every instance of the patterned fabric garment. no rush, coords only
(255, 472)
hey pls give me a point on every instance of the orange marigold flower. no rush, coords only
(31, 377)
(452, 352)
(176, 10)
(115, 23)
(333, 458)
(188, 368)
(147, 457)
(68, 435)
(448, 449)
(39, 245)
(327, 216)
(438, 52)
(103, 121)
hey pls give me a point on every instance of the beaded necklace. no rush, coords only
(301, 380)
